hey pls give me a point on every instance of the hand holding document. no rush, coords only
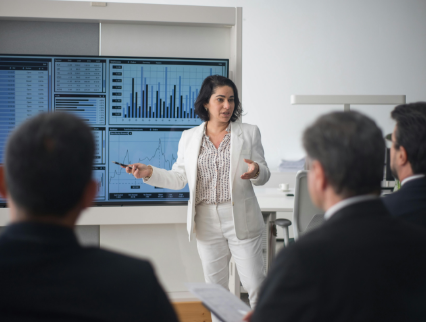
(224, 305)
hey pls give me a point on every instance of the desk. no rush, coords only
(274, 200)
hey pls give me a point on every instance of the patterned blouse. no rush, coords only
(213, 170)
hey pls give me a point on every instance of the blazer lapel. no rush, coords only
(191, 157)
(236, 146)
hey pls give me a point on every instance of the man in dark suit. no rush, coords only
(45, 275)
(408, 163)
(361, 264)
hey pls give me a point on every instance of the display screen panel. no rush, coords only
(136, 107)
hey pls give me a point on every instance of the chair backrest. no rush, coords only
(304, 209)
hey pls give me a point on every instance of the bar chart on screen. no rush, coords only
(91, 108)
(157, 93)
(100, 145)
(99, 176)
(154, 146)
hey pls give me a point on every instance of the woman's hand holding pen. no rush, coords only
(139, 170)
(252, 170)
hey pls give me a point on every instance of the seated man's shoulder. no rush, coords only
(394, 199)
(109, 270)
(408, 201)
(412, 190)
(308, 248)
(107, 256)
(356, 239)
(105, 264)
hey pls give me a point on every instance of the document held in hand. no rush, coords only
(224, 305)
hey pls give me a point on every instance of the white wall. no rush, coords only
(329, 47)
(202, 42)
(324, 47)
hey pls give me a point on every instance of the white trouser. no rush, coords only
(217, 241)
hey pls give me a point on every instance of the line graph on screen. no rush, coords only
(157, 147)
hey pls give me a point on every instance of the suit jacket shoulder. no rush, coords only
(250, 128)
(361, 265)
(409, 203)
(133, 282)
(64, 281)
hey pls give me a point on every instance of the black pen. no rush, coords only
(123, 165)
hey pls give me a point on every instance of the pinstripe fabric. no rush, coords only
(213, 170)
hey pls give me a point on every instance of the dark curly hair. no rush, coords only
(207, 90)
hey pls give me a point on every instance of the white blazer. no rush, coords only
(245, 144)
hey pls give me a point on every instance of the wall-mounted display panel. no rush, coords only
(136, 107)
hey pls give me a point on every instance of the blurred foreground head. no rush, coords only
(348, 150)
(48, 164)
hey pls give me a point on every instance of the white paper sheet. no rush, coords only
(226, 306)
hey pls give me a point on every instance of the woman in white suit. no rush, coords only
(220, 160)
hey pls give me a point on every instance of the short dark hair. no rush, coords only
(207, 90)
(48, 163)
(411, 133)
(351, 149)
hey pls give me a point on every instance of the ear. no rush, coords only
(3, 188)
(318, 175)
(402, 156)
(89, 194)
(316, 183)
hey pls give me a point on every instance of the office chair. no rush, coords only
(306, 216)
(284, 223)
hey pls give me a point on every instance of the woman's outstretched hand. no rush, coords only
(138, 170)
(253, 167)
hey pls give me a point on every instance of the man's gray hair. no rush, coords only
(351, 149)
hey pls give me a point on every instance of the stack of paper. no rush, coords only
(292, 166)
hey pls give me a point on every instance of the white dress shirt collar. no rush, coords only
(346, 202)
(416, 176)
